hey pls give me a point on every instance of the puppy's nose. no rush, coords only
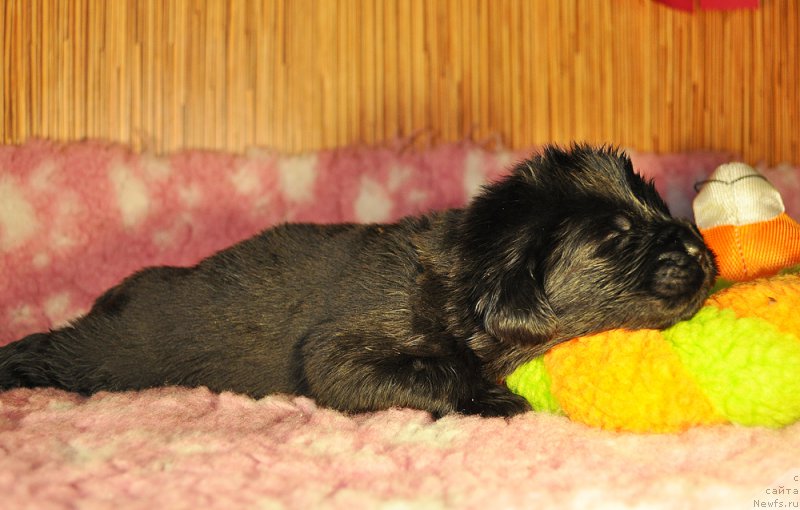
(696, 248)
(692, 244)
(676, 273)
(683, 239)
(682, 263)
(693, 249)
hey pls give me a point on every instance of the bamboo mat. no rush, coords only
(309, 74)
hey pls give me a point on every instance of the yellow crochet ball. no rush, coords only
(736, 361)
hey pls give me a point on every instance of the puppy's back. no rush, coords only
(236, 321)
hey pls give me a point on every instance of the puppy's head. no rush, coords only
(574, 242)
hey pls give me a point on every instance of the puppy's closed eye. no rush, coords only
(621, 223)
(618, 226)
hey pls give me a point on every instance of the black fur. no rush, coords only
(431, 312)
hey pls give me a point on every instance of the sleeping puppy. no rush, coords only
(432, 312)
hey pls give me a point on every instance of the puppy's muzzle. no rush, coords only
(683, 264)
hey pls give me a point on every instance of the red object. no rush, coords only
(688, 5)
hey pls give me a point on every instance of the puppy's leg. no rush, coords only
(494, 400)
(358, 380)
(30, 363)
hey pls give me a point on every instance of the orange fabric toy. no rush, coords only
(743, 220)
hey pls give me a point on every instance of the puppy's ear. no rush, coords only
(500, 239)
(517, 310)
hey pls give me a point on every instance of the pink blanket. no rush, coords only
(74, 219)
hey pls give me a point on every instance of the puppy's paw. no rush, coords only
(495, 401)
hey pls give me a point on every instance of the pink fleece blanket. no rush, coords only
(75, 219)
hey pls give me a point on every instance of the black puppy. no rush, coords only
(432, 312)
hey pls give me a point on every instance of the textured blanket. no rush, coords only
(75, 219)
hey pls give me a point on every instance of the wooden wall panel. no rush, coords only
(307, 74)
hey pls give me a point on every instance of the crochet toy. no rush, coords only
(736, 361)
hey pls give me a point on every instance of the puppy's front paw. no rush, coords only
(495, 401)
